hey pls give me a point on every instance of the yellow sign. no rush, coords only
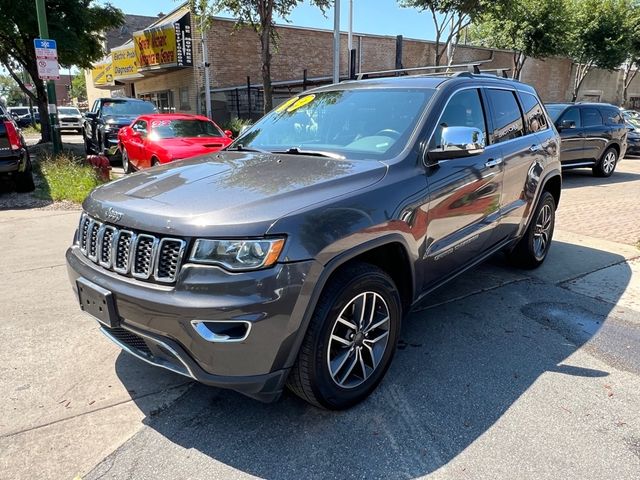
(125, 63)
(156, 47)
(301, 102)
(102, 73)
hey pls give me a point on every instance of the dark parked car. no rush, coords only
(106, 118)
(14, 155)
(291, 257)
(633, 137)
(593, 135)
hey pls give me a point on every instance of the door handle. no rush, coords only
(493, 162)
(535, 148)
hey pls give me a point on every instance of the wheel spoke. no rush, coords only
(358, 309)
(340, 361)
(349, 324)
(362, 365)
(374, 363)
(377, 339)
(350, 369)
(341, 340)
(377, 324)
(372, 312)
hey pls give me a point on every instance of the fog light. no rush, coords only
(222, 331)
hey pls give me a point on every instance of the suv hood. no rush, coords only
(121, 120)
(229, 193)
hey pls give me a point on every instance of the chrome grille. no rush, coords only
(139, 255)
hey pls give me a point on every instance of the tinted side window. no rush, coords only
(140, 126)
(507, 118)
(612, 116)
(533, 113)
(571, 115)
(590, 117)
(463, 110)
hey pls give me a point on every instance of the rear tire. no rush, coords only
(607, 164)
(533, 247)
(345, 355)
(24, 180)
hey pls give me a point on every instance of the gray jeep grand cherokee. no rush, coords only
(292, 257)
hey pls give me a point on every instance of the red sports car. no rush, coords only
(161, 138)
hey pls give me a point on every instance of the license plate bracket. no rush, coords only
(98, 302)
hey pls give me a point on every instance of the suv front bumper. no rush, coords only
(155, 321)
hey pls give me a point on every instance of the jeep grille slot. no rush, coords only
(140, 255)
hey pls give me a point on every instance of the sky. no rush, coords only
(383, 17)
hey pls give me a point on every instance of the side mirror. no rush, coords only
(457, 142)
(90, 115)
(564, 124)
(228, 133)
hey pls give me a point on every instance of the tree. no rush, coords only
(450, 17)
(10, 91)
(632, 63)
(598, 37)
(74, 24)
(258, 15)
(531, 28)
(79, 87)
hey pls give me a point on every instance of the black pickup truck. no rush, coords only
(106, 118)
(14, 156)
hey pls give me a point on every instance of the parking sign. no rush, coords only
(47, 58)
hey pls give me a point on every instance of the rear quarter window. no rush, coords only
(507, 118)
(534, 115)
(612, 116)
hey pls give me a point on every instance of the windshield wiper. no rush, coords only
(315, 153)
(241, 148)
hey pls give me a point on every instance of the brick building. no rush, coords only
(302, 59)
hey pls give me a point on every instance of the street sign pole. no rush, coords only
(51, 87)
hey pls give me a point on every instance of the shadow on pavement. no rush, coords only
(459, 367)
(583, 177)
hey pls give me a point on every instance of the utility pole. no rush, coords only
(205, 65)
(336, 42)
(51, 87)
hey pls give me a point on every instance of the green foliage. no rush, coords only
(538, 28)
(10, 91)
(236, 125)
(79, 87)
(598, 34)
(31, 130)
(532, 28)
(65, 178)
(77, 27)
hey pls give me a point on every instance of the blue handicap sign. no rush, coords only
(45, 43)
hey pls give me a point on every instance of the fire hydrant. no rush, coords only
(102, 166)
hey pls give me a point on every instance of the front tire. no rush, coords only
(533, 247)
(126, 163)
(351, 339)
(607, 164)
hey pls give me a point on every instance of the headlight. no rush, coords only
(238, 254)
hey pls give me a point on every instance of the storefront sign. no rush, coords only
(125, 63)
(164, 46)
(102, 73)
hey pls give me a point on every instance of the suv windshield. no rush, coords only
(68, 111)
(20, 111)
(127, 108)
(184, 128)
(361, 123)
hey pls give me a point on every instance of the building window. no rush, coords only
(184, 99)
(162, 100)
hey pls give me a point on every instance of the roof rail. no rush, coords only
(469, 67)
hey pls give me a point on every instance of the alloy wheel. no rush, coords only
(609, 162)
(358, 340)
(542, 231)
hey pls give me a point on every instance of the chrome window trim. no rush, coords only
(183, 248)
(154, 249)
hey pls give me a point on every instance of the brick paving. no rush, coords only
(607, 208)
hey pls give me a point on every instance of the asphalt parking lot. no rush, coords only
(501, 374)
